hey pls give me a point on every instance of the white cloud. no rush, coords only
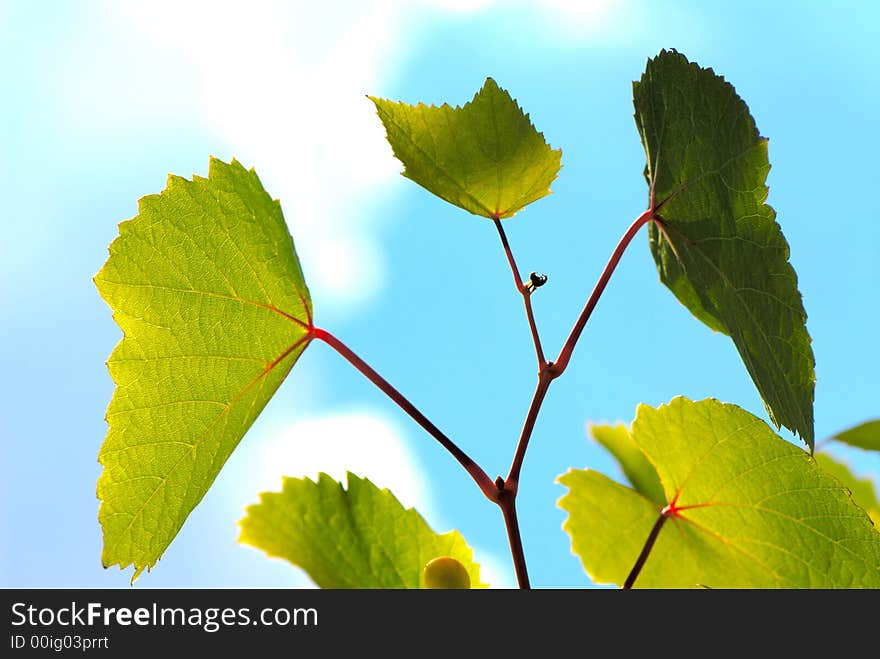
(496, 572)
(463, 6)
(583, 10)
(283, 86)
(574, 19)
(596, 20)
(359, 441)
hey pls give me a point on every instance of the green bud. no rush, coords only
(446, 572)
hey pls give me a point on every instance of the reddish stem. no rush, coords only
(545, 377)
(507, 503)
(550, 371)
(503, 492)
(665, 514)
(507, 489)
(480, 478)
(565, 354)
(547, 372)
(526, 293)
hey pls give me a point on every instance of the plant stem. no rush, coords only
(480, 478)
(507, 503)
(547, 372)
(550, 371)
(526, 293)
(646, 550)
(545, 377)
(503, 492)
(565, 354)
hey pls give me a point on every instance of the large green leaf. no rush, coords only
(745, 509)
(722, 253)
(639, 472)
(862, 489)
(206, 286)
(865, 435)
(485, 157)
(360, 537)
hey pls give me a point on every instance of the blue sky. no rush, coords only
(103, 99)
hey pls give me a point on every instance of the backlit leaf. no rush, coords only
(744, 509)
(638, 471)
(359, 537)
(485, 157)
(865, 435)
(863, 492)
(206, 286)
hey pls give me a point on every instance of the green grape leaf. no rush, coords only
(745, 509)
(638, 471)
(862, 489)
(865, 436)
(485, 157)
(718, 246)
(360, 537)
(206, 286)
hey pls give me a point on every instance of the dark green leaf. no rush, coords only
(719, 248)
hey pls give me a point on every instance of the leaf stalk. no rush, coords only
(476, 472)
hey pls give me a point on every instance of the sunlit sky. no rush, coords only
(101, 100)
